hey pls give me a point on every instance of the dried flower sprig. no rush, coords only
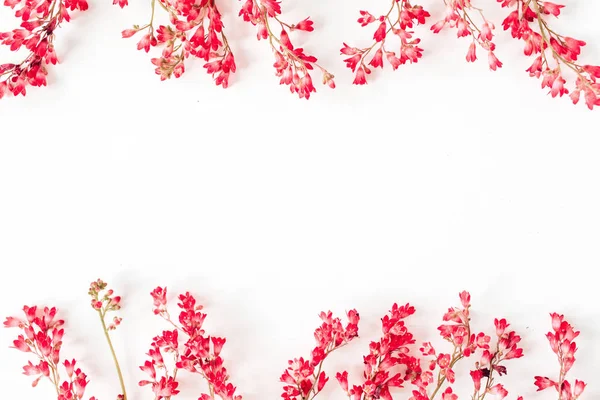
(401, 16)
(40, 19)
(104, 302)
(42, 337)
(305, 379)
(562, 342)
(195, 29)
(381, 371)
(553, 52)
(292, 65)
(458, 331)
(461, 14)
(191, 349)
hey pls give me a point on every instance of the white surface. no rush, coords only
(434, 178)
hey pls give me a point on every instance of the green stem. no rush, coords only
(114, 355)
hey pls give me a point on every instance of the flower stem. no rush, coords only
(114, 355)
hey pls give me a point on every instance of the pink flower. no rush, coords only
(380, 33)
(544, 383)
(448, 395)
(127, 33)
(144, 43)
(486, 31)
(551, 8)
(377, 60)
(304, 25)
(493, 61)
(471, 54)
(498, 390)
(361, 76)
(477, 376)
(366, 18)
(343, 380)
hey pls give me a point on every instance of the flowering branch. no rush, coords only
(466, 343)
(42, 336)
(292, 65)
(195, 354)
(553, 52)
(40, 20)
(104, 303)
(401, 16)
(381, 365)
(305, 379)
(195, 29)
(563, 345)
(460, 14)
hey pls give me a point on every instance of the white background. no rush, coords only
(438, 177)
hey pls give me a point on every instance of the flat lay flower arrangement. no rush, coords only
(395, 365)
(196, 29)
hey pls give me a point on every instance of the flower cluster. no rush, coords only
(292, 65)
(554, 53)
(389, 362)
(40, 19)
(401, 17)
(562, 342)
(458, 332)
(42, 337)
(189, 348)
(104, 301)
(195, 29)
(304, 379)
(460, 15)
